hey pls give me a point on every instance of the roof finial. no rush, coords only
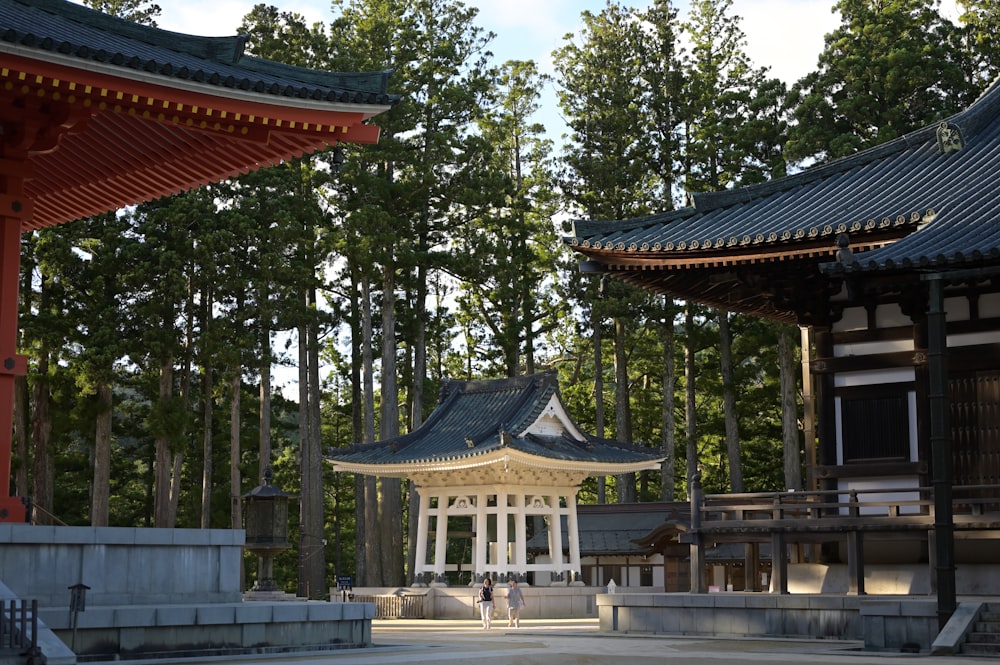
(949, 138)
(844, 254)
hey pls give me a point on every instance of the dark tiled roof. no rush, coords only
(943, 204)
(469, 421)
(78, 32)
(612, 529)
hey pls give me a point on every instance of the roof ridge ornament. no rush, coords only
(949, 138)
(844, 254)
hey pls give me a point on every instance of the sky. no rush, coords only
(785, 35)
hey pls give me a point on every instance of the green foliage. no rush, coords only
(891, 67)
(980, 24)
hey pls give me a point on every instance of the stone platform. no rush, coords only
(159, 592)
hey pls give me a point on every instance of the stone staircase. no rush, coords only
(984, 639)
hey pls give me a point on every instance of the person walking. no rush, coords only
(515, 603)
(486, 603)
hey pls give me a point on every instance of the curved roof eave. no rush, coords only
(496, 457)
(220, 96)
(932, 197)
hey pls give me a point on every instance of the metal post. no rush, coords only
(944, 529)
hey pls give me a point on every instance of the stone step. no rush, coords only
(984, 638)
(971, 649)
(981, 626)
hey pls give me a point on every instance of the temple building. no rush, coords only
(494, 458)
(889, 262)
(99, 113)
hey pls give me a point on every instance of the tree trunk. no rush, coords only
(161, 501)
(264, 427)
(623, 410)
(596, 336)
(235, 477)
(207, 448)
(691, 444)
(21, 436)
(729, 403)
(316, 564)
(175, 488)
(390, 506)
(789, 412)
(360, 350)
(667, 469)
(43, 471)
(306, 488)
(22, 391)
(417, 413)
(208, 403)
(367, 525)
(100, 494)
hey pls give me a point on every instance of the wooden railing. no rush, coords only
(818, 516)
(884, 509)
(19, 626)
(394, 606)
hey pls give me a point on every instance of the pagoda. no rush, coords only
(494, 457)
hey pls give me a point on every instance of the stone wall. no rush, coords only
(877, 622)
(173, 592)
(122, 566)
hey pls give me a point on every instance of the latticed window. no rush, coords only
(975, 428)
(875, 427)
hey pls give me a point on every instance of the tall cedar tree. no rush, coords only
(285, 37)
(606, 174)
(891, 67)
(404, 196)
(506, 254)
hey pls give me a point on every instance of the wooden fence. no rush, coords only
(394, 606)
(18, 626)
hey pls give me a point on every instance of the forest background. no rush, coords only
(153, 334)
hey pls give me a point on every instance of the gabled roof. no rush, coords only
(617, 528)
(105, 113)
(930, 199)
(499, 421)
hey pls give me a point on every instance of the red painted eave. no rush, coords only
(91, 142)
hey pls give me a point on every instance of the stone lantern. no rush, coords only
(266, 524)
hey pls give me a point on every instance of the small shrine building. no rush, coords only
(98, 113)
(493, 457)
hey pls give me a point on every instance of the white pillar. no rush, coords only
(502, 512)
(482, 534)
(520, 535)
(556, 543)
(423, 531)
(441, 535)
(573, 531)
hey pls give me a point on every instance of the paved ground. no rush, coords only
(574, 642)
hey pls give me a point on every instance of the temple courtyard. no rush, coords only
(566, 642)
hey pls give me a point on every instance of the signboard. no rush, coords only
(344, 582)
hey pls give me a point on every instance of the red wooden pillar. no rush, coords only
(14, 209)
